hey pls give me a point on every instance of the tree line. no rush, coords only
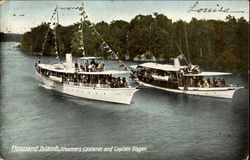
(10, 37)
(209, 43)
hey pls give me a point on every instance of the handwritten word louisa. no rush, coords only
(195, 8)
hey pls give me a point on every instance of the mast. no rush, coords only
(187, 44)
(57, 35)
(82, 21)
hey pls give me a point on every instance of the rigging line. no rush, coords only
(116, 55)
(46, 36)
(181, 53)
(187, 42)
(120, 61)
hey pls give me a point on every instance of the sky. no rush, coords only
(36, 12)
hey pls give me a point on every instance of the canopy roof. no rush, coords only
(105, 72)
(90, 58)
(209, 74)
(52, 68)
(164, 67)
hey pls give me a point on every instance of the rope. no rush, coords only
(107, 46)
(47, 33)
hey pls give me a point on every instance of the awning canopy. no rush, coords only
(164, 67)
(90, 58)
(108, 72)
(209, 74)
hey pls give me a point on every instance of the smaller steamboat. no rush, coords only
(184, 79)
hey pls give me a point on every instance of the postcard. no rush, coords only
(124, 80)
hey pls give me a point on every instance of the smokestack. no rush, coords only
(69, 61)
(177, 63)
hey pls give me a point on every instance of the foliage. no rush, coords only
(211, 43)
(10, 37)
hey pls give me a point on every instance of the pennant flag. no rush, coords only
(82, 13)
(81, 48)
(106, 47)
(121, 65)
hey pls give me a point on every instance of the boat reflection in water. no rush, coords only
(183, 79)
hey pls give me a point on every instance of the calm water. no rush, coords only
(170, 126)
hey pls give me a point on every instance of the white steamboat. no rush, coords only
(92, 84)
(85, 80)
(184, 79)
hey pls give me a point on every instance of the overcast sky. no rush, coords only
(36, 12)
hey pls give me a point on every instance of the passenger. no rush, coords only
(76, 66)
(223, 83)
(125, 84)
(92, 61)
(208, 80)
(82, 67)
(93, 68)
(199, 84)
(219, 83)
(96, 65)
(115, 82)
(98, 84)
(191, 82)
(206, 84)
(112, 83)
(212, 84)
(118, 82)
(87, 67)
(99, 67)
(90, 67)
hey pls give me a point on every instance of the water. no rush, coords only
(170, 126)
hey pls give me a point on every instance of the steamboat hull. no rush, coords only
(114, 95)
(220, 92)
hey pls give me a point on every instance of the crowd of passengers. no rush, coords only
(93, 66)
(187, 81)
(97, 80)
(201, 82)
(147, 73)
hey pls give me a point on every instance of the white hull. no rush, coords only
(219, 92)
(115, 95)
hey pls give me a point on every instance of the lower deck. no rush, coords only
(115, 95)
(219, 92)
